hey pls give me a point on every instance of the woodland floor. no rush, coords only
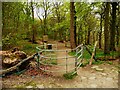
(87, 77)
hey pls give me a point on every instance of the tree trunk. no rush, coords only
(117, 38)
(113, 27)
(75, 36)
(79, 35)
(93, 37)
(118, 27)
(100, 33)
(106, 27)
(33, 34)
(88, 36)
(72, 34)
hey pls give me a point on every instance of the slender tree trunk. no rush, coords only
(33, 31)
(72, 34)
(79, 35)
(45, 23)
(118, 35)
(106, 29)
(88, 36)
(113, 27)
(75, 17)
(100, 33)
(118, 26)
(93, 37)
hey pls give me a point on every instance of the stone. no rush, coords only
(94, 67)
(83, 77)
(29, 86)
(104, 74)
(50, 86)
(40, 86)
(93, 86)
(92, 78)
(109, 79)
(99, 69)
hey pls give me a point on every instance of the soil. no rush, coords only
(88, 76)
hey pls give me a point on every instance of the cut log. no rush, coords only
(11, 59)
(2, 72)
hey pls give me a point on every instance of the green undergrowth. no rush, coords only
(50, 61)
(94, 63)
(110, 62)
(52, 58)
(99, 53)
(70, 75)
(27, 47)
(31, 83)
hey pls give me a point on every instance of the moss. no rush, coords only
(31, 83)
(70, 75)
(110, 62)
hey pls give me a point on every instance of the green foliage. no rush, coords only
(109, 62)
(85, 63)
(9, 42)
(118, 66)
(70, 75)
(97, 62)
(27, 46)
(51, 61)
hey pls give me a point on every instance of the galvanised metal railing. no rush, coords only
(46, 54)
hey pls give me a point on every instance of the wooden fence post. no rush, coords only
(66, 61)
(76, 61)
(94, 49)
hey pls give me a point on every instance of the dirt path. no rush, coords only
(66, 64)
(88, 77)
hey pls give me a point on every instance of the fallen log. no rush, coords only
(2, 72)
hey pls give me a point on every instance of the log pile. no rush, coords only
(11, 60)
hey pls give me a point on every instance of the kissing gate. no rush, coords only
(59, 58)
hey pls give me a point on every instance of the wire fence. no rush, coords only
(47, 56)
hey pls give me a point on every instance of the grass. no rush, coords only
(0, 43)
(53, 62)
(28, 47)
(53, 58)
(110, 62)
(69, 75)
(99, 53)
(31, 83)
